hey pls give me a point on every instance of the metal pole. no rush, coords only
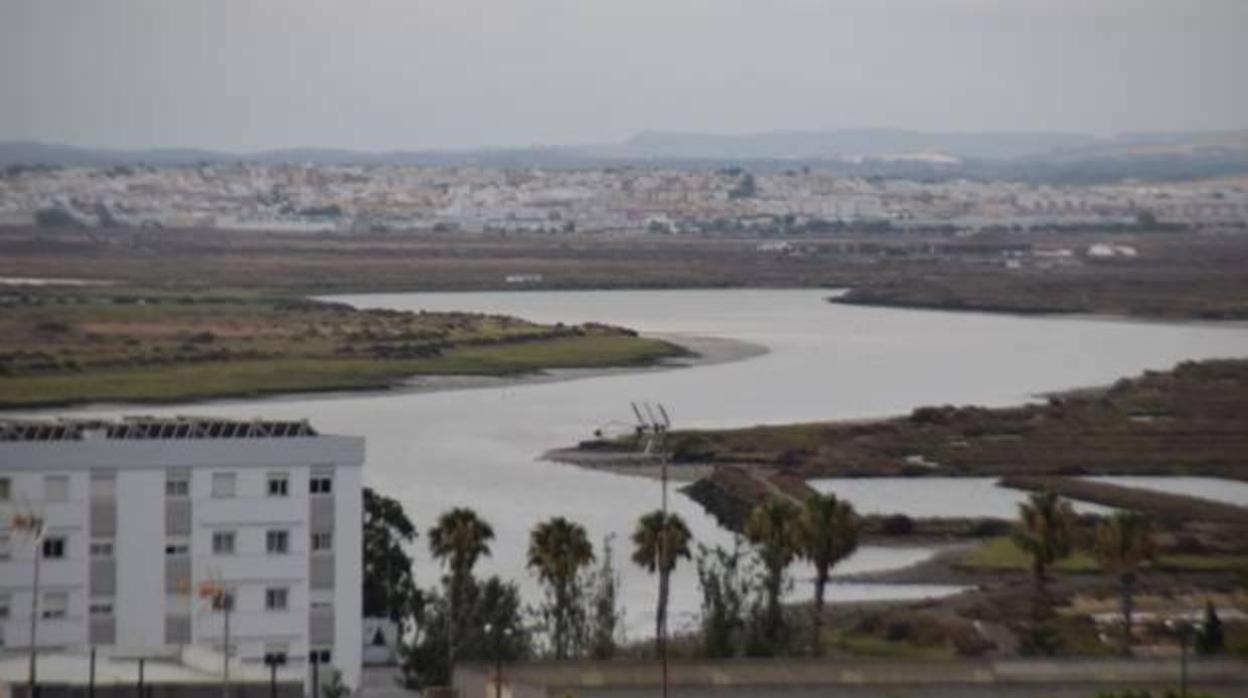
(91, 679)
(663, 564)
(228, 600)
(141, 660)
(273, 680)
(316, 674)
(1183, 663)
(34, 611)
(498, 671)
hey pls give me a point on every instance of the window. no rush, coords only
(6, 546)
(104, 487)
(101, 608)
(5, 602)
(277, 542)
(223, 543)
(275, 598)
(223, 484)
(54, 547)
(181, 487)
(55, 604)
(101, 548)
(6, 489)
(56, 488)
(177, 548)
(322, 541)
(279, 485)
(321, 484)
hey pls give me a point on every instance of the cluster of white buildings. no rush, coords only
(153, 532)
(319, 198)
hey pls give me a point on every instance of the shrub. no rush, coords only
(897, 525)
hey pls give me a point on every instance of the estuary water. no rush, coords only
(481, 447)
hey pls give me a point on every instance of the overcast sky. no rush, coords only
(393, 74)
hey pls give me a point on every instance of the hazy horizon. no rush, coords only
(383, 75)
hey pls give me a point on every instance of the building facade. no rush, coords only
(152, 527)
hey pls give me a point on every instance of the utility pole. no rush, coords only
(655, 427)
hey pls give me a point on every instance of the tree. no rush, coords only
(725, 588)
(829, 534)
(389, 587)
(491, 628)
(458, 540)
(1210, 638)
(658, 543)
(603, 609)
(1045, 532)
(558, 549)
(334, 687)
(774, 527)
(1124, 541)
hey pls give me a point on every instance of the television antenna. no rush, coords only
(29, 522)
(653, 425)
(219, 597)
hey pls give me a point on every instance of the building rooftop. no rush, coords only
(147, 428)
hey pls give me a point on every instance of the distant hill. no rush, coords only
(1037, 156)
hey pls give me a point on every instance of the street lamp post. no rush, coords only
(1182, 629)
(274, 660)
(498, 635)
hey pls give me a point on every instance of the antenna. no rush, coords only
(641, 421)
(654, 427)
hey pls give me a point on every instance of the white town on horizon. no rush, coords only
(370, 198)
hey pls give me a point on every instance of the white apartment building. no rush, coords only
(140, 514)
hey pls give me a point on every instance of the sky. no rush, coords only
(247, 75)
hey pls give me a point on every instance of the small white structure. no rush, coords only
(523, 278)
(1104, 250)
(381, 641)
(141, 514)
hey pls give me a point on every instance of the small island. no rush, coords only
(64, 349)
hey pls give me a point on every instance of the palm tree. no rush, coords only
(829, 533)
(558, 549)
(458, 541)
(774, 527)
(657, 546)
(1045, 531)
(1124, 541)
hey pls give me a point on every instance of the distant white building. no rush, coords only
(1105, 250)
(141, 514)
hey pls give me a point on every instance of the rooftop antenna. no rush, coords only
(652, 429)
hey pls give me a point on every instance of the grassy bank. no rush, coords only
(73, 349)
(1192, 419)
(1001, 554)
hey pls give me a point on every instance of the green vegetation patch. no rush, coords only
(1002, 554)
(161, 349)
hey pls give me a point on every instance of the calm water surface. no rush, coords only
(479, 447)
(947, 497)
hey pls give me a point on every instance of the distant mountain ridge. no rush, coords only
(863, 151)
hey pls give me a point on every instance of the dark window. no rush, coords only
(54, 547)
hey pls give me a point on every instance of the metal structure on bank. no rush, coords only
(653, 425)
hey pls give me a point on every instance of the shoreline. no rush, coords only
(703, 351)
